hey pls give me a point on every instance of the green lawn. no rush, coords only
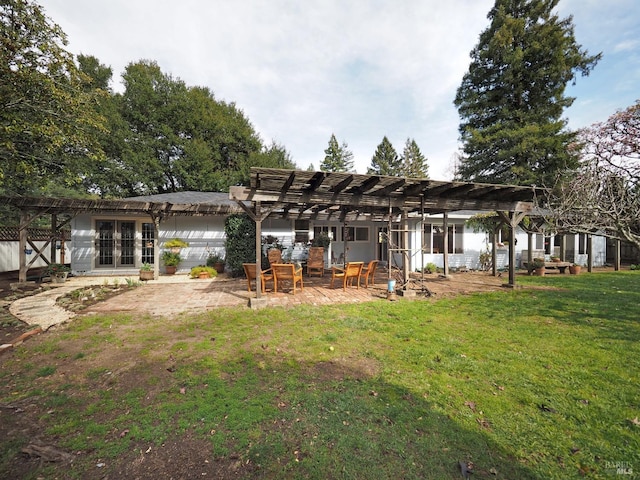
(526, 383)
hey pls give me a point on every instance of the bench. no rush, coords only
(561, 266)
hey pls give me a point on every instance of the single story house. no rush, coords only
(399, 221)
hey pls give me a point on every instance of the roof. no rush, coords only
(346, 196)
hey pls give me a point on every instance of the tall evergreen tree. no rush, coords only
(511, 100)
(337, 158)
(385, 160)
(413, 162)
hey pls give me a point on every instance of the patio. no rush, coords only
(174, 295)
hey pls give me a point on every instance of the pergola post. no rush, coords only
(589, 253)
(258, 221)
(512, 219)
(405, 250)
(22, 245)
(494, 253)
(617, 255)
(445, 240)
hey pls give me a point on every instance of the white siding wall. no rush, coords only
(83, 234)
(206, 235)
(10, 255)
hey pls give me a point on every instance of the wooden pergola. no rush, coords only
(63, 210)
(297, 194)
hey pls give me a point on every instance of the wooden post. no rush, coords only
(258, 220)
(405, 250)
(54, 238)
(589, 253)
(617, 255)
(445, 240)
(22, 245)
(494, 253)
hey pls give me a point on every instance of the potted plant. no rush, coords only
(146, 271)
(58, 272)
(202, 271)
(537, 267)
(322, 240)
(171, 261)
(216, 261)
(574, 269)
(175, 245)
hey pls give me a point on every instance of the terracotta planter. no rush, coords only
(204, 275)
(146, 274)
(539, 272)
(59, 277)
(575, 269)
(170, 269)
(219, 267)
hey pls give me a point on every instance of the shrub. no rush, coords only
(56, 268)
(176, 243)
(196, 271)
(241, 242)
(430, 267)
(171, 259)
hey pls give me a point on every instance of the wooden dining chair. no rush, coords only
(369, 272)
(348, 274)
(250, 272)
(274, 255)
(315, 261)
(286, 272)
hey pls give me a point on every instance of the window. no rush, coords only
(301, 228)
(434, 238)
(331, 231)
(355, 234)
(582, 244)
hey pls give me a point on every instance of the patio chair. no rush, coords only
(250, 272)
(274, 255)
(348, 274)
(286, 271)
(369, 273)
(315, 262)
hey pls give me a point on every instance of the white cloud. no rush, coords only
(302, 70)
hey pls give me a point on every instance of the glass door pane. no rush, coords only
(147, 243)
(127, 243)
(105, 243)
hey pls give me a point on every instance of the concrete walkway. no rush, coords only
(172, 295)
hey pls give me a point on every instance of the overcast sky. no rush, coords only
(301, 70)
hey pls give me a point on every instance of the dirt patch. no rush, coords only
(10, 291)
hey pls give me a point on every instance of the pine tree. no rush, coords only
(413, 162)
(511, 100)
(385, 160)
(338, 158)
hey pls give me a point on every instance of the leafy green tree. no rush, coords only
(337, 158)
(413, 162)
(165, 136)
(511, 100)
(385, 160)
(47, 127)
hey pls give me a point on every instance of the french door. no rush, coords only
(115, 243)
